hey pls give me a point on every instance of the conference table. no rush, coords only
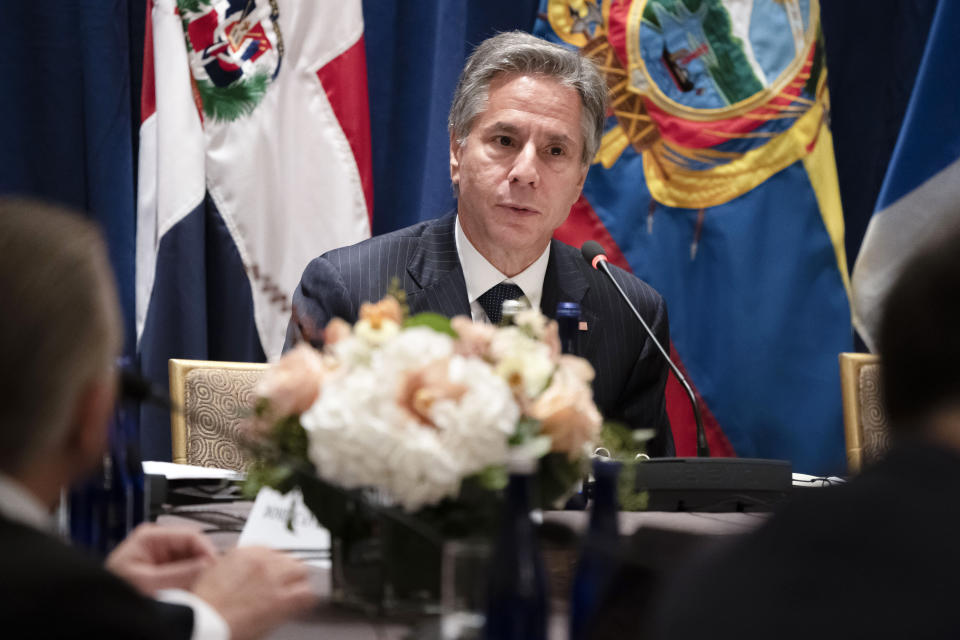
(223, 523)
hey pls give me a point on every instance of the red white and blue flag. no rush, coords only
(922, 185)
(254, 158)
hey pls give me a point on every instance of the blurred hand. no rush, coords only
(255, 589)
(153, 558)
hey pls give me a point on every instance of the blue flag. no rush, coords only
(922, 186)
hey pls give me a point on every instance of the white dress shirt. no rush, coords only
(19, 505)
(480, 276)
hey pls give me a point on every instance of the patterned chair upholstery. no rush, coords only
(865, 418)
(215, 398)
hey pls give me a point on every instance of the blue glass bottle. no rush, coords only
(517, 595)
(126, 416)
(87, 509)
(599, 554)
(119, 487)
(127, 443)
(568, 323)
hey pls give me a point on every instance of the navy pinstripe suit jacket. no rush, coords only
(631, 373)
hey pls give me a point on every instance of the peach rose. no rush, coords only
(473, 337)
(336, 330)
(551, 338)
(376, 313)
(420, 389)
(566, 409)
(578, 367)
(292, 385)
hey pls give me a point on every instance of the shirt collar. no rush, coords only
(19, 505)
(480, 275)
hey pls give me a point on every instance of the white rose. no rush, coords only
(375, 334)
(523, 362)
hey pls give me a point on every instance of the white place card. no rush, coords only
(283, 522)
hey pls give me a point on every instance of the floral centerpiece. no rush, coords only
(410, 422)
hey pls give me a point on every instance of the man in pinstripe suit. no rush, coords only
(526, 119)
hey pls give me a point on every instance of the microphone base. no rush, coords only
(714, 484)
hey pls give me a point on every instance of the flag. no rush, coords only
(254, 159)
(715, 182)
(921, 190)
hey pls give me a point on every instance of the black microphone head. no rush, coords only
(591, 250)
(134, 386)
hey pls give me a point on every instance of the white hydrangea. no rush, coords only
(414, 347)
(361, 437)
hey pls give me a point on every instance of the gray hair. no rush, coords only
(521, 53)
(60, 327)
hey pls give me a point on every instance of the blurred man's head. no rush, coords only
(920, 338)
(526, 120)
(59, 335)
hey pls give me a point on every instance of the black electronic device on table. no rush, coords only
(713, 484)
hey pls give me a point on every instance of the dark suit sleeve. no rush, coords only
(48, 590)
(320, 297)
(642, 403)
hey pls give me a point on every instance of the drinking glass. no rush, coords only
(463, 588)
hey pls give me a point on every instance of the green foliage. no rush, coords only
(395, 289)
(630, 499)
(527, 429)
(493, 478)
(233, 101)
(557, 478)
(193, 6)
(622, 442)
(262, 474)
(277, 459)
(291, 438)
(435, 321)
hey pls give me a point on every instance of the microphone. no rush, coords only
(134, 386)
(596, 257)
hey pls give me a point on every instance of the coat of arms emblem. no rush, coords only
(235, 49)
(717, 95)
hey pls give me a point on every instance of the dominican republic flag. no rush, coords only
(254, 159)
(715, 182)
(921, 191)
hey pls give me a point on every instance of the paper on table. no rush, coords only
(804, 480)
(282, 521)
(189, 472)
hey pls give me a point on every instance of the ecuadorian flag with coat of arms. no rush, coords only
(716, 184)
(254, 158)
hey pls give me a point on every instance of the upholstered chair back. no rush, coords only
(211, 401)
(866, 427)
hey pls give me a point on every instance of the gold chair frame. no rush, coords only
(850, 366)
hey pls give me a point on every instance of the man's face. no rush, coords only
(519, 170)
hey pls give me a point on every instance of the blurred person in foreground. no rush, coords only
(878, 557)
(526, 121)
(59, 336)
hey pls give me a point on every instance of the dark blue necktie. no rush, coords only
(492, 300)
